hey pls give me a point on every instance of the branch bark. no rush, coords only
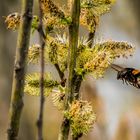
(42, 65)
(73, 43)
(91, 38)
(61, 74)
(75, 138)
(19, 69)
(92, 32)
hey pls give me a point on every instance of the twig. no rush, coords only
(92, 34)
(91, 38)
(75, 138)
(42, 64)
(61, 74)
(73, 39)
(19, 70)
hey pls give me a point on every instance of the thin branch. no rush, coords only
(91, 38)
(77, 137)
(73, 39)
(73, 138)
(41, 32)
(19, 69)
(61, 74)
(91, 34)
(42, 65)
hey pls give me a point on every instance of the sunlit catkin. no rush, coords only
(13, 21)
(32, 84)
(81, 116)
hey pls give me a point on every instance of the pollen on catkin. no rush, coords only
(53, 16)
(34, 53)
(98, 7)
(97, 59)
(32, 84)
(88, 19)
(93, 60)
(13, 21)
(58, 99)
(49, 7)
(57, 51)
(81, 117)
(91, 10)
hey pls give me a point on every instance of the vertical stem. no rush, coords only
(19, 69)
(73, 42)
(42, 98)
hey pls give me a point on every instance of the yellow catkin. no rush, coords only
(81, 116)
(49, 7)
(32, 84)
(13, 21)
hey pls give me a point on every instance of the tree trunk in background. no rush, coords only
(6, 51)
(6, 65)
(7, 55)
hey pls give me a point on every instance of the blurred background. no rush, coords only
(117, 105)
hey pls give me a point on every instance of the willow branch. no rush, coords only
(73, 43)
(73, 138)
(19, 70)
(91, 38)
(61, 74)
(42, 64)
(91, 34)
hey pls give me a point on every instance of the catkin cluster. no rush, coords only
(54, 17)
(97, 59)
(81, 116)
(58, 99)
(91, 10)
(13, 21)
(32, 84)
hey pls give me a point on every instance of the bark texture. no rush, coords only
(73, 42)
(19, 69)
